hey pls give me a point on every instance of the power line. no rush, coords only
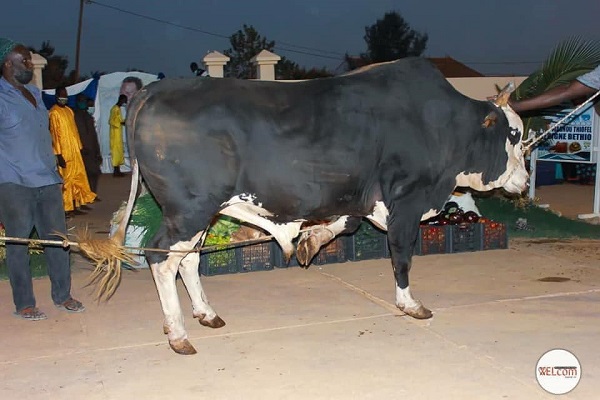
(158, 20)
(340, 56)
(162, 21)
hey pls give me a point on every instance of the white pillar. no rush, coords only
(265, 64)
(39, 63)
(214, 63)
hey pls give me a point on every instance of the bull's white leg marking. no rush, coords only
(379, 215)
(244, 210)
(406, 303)
(164, 277)
(335, 227)
(404, 299)
(188, 268)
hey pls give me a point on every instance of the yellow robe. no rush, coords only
(66, 141)
(116, 136)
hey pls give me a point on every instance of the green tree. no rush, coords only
(567, 61)
(287, 69)
(390, 38)
(55, 72)
(245, 44)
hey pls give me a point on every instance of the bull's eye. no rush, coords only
(514, 136)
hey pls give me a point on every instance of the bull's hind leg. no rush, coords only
(188, 268)
(164, 276)
(402, 235)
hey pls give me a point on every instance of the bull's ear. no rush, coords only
(489, 120)
(502, 98)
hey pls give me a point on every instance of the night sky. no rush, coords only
(495, 37)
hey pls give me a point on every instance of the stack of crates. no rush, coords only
(367, 243)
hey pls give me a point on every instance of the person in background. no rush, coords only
(30, 185)
(197, 71)
(67, 147)
(116, 123)
(90, 152)
(582, 87)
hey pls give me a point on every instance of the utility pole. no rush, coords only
(78, 46)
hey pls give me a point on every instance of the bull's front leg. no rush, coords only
(402, 235)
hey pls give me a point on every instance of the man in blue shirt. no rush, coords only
(30, 186)
(583, 87)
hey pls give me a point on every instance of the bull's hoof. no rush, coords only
(419, 312)
(302, 253)
(183, 347)
(216, 322)
(307, 248)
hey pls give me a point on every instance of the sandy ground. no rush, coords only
(569, 199)
(329, 332)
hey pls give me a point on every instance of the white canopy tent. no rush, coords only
(106, 96)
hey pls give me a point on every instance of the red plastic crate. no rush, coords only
(432, 239)
(495, 236)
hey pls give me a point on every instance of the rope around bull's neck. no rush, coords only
(560, 121)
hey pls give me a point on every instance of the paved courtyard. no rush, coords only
(327, 332)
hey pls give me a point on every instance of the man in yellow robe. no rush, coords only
(67, 147)
(116, 122)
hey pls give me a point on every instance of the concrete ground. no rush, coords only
(327, 332)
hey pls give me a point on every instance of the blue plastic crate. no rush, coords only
(368, 243)
(254, 257)
(218, 262)
(281, 263)
(336, 251)
(466, 237)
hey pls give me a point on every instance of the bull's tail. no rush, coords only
(119, 234)
(109, 255)
(137, 102)
(133, 108)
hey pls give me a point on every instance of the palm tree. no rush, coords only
(570, 59)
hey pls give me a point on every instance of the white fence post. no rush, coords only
(265, 64)
(39, 63)
(214, 63)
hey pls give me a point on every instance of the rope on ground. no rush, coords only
(92, 244)
(108, 255)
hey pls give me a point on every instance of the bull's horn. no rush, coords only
(502, 98)
(489, 120)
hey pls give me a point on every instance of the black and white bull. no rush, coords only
(389, 143)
